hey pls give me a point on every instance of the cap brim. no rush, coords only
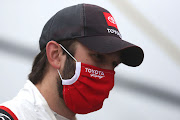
(131, 54)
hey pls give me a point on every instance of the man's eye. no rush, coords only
(98, 56)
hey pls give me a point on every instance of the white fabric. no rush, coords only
(75, 77)
(29, 104)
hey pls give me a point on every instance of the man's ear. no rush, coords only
(54, 54)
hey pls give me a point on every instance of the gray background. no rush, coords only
(148, 92)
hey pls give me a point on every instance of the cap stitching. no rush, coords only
(84, 19)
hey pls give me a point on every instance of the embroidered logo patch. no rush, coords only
(110, 20)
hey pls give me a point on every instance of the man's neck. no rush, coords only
(48, 89)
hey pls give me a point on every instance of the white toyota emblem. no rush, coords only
(111, 19)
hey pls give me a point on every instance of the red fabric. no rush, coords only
(9, 111)
(110, 20)
(88, 93)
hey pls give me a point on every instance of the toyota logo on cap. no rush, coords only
(111, 19)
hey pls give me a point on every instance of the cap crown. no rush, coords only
(82, 20)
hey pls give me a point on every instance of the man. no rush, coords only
(74, 72)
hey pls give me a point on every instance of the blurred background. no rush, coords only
(148, 92)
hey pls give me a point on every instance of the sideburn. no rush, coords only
(67, 73)
(69, 68)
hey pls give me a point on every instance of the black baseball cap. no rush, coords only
(94, 27)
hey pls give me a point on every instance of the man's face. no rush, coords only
(105, 61)
(83, 54)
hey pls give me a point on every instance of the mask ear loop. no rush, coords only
(59, 74)
(67, 52)
(69, 55)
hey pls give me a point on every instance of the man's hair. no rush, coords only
(40, 64)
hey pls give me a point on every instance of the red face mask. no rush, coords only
(86, 91)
